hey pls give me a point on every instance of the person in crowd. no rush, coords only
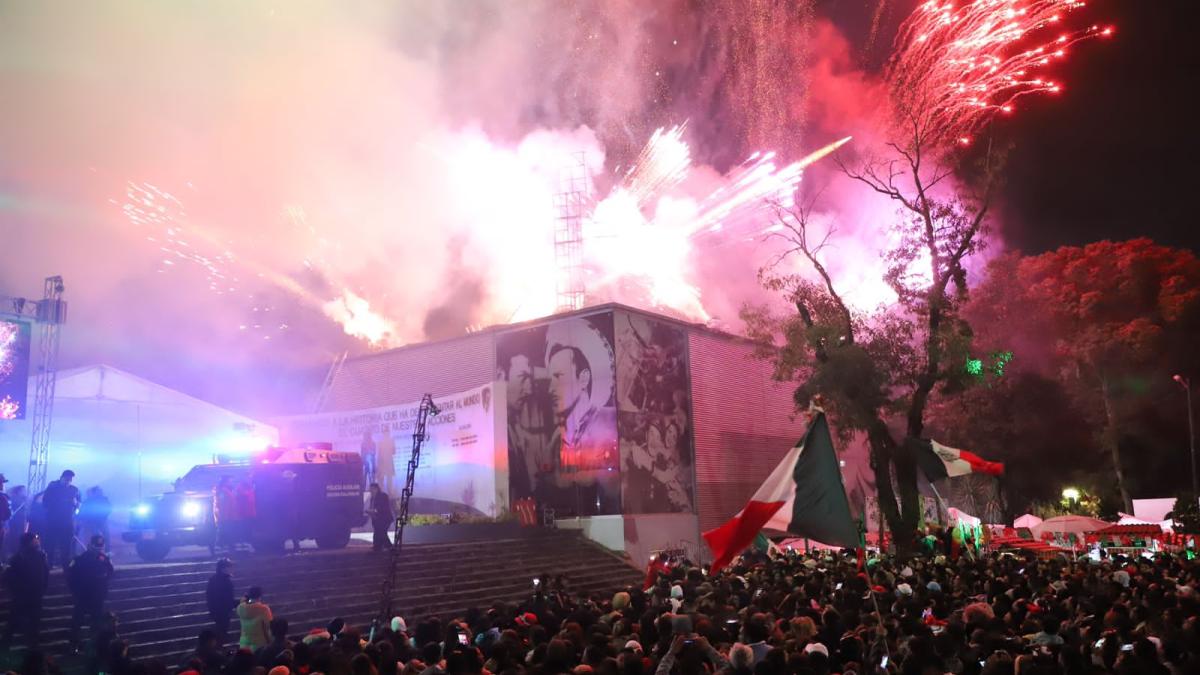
(220, 599)
(5, 509)
(18, 522)
(268, 654)
(88, 577)
(26, 579)
(94, 513)
(208, 658)
(255, 617)
(380, 510)
(60, 500)
(224, 510)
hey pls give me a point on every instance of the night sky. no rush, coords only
(1116, 156)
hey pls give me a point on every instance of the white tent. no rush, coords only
(957, 517)
(1027, 520)
(126, 434)
(1069, 525)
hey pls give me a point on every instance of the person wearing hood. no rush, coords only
(26, 577)
(255, 617)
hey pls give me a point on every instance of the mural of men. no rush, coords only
(579, 362)
(529, 427)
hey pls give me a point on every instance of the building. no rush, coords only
(638, 428)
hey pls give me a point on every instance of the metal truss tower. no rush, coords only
(50, 313)
(568, 235)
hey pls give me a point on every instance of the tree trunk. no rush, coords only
(882, 449)
(910, 497)
(1111, 439)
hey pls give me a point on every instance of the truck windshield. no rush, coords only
(205, 477)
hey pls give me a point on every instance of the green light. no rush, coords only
(975, 367)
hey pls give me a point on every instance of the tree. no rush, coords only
(1026, 420)
(873, 368)
(1100, 319)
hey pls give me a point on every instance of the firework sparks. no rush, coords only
(956, 67)
(663, 163)
(647, 237)
(152, 208)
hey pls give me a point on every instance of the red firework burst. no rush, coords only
(957, 66)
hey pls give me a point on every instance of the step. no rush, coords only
(161, 606)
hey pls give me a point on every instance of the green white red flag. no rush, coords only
(803, 496)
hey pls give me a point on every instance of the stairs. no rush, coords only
(161, 608)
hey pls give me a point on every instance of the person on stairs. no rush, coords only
(255, 617)
(88, 577)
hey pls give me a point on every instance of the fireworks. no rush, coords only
(151, 208)
(643, 234)
(956, 67)
(663, 163)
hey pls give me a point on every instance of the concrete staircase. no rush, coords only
(161, 607)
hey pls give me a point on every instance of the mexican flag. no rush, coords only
(940, 461)
(803, 496)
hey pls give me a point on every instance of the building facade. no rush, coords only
(638, 428)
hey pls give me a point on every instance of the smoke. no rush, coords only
(237, 190)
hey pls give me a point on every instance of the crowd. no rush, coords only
(790, 615)
(62, 517)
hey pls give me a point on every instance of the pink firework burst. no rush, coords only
(957, 65)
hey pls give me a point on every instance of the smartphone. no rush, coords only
(688, 642)
(1126, 648)
(462, 639)
(883, 662)
(838, 587)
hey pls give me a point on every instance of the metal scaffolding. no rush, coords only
(49, 313)
(568, 235)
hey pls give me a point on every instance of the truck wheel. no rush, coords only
(334, 540)
(153, 551)
(269, 546)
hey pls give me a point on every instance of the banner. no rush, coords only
(654, 415)
(458, 458)
(561, 417)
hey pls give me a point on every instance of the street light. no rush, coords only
(1187, 388)
(1071, 498)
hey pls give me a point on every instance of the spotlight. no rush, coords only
(191, 510)
(141, 510)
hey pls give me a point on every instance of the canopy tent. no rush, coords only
(1027, 520)
(1166, 525)
(1068, 525)
(1067, 530)
(1130, 538)
(1016, 543)
(128, 435)
(960, 517)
